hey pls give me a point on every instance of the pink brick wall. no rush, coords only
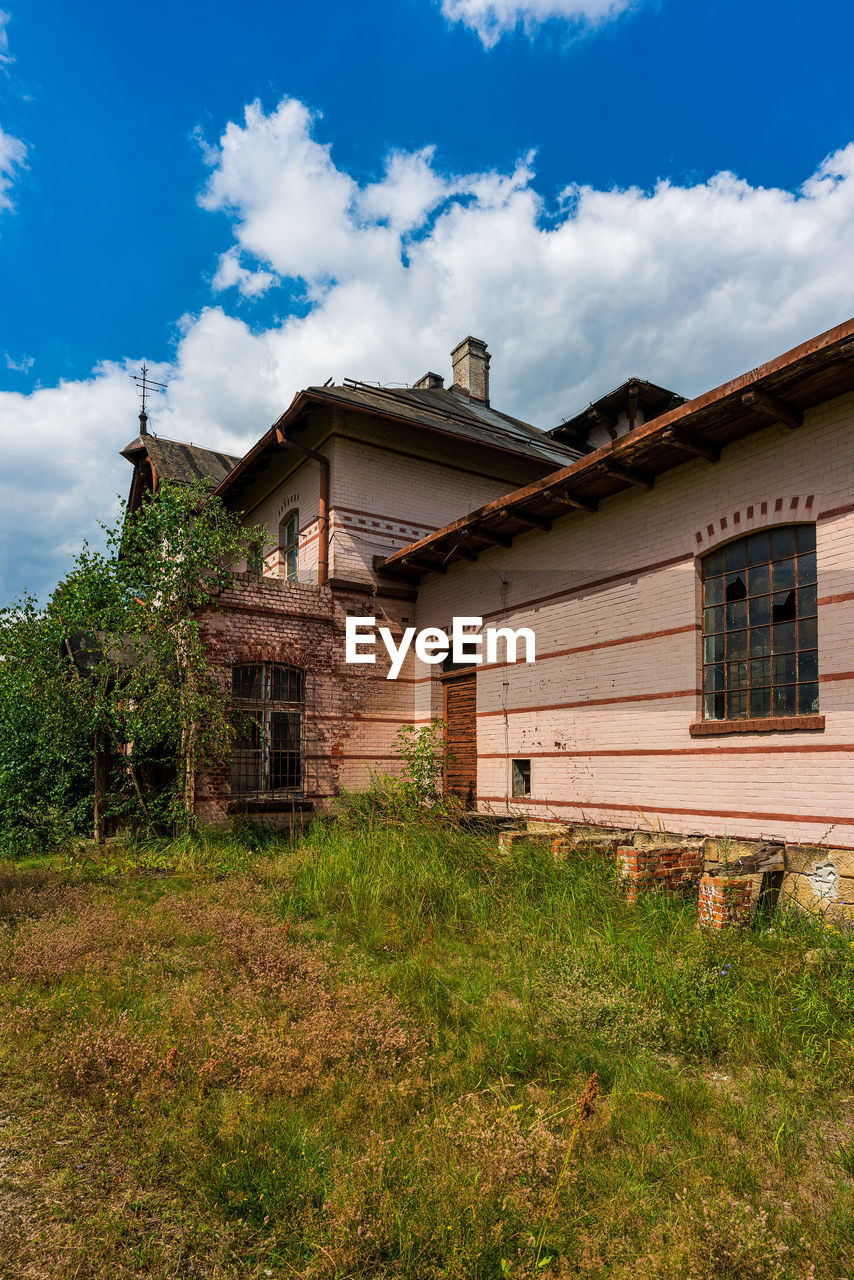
(613, 597)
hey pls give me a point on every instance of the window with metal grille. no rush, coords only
(268, 702)
(760, 641)
(290, 546)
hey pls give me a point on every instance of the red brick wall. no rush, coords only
(351, 713)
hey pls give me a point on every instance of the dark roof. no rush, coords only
(439, 407)
(434, 409)
(184, 463)
(779, 391)
(652, 399)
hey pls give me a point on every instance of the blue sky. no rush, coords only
(256, 197)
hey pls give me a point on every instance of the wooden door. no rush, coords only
(461, 739)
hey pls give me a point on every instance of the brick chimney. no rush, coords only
(470, 360)
(430, 382)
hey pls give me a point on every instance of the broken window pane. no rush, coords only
(715, 706)
(783, 607)
(736, 586)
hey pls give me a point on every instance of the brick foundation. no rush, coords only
(672, 869)
(725, 901)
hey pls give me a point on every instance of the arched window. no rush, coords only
(290, 545)
(760, 642)
(268, 702)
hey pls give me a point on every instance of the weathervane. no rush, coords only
(145, 385)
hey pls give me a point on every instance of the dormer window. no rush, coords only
(290, 546)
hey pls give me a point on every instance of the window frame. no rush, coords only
(289, 545)
(258, 705)
(759, 650)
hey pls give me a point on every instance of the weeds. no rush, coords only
(363, 1051)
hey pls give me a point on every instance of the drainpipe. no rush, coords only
(323, 513)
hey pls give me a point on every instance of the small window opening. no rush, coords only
(521, 779)
(290, 546)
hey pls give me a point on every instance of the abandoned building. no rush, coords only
(687, 568)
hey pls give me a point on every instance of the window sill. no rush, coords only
(275, 804)
(770, 724)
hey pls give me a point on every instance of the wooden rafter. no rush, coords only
(690, 442)
(460, 549)
(774, 407)
(632, 476)
(573, 500)
(522, 517)
(532, 521)
(491, 538)
(423, 566)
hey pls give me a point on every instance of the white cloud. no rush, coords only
(12, 156)
(5, 56)
(13, 151)
(230, 272)
(492, 19)
(23, 365)
(686, 284)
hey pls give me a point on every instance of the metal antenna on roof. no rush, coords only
(145, 385)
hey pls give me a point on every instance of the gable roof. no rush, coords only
(777, 391)
(182, 463)
(634, 393)
(434, 409)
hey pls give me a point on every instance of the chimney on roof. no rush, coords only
(470, 360)
(429, 382)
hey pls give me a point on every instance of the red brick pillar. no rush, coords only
(724, 901)
(671, 869)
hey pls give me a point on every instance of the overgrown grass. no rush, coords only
(361, 1053)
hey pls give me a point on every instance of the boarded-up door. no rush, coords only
(461, 739)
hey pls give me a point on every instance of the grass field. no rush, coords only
(395, 1052)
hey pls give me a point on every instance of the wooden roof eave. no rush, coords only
(780, 390)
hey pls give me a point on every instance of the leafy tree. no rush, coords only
(116, 657)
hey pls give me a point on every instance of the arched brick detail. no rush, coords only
(760, 514)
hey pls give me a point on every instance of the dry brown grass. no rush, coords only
(196, 1084)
